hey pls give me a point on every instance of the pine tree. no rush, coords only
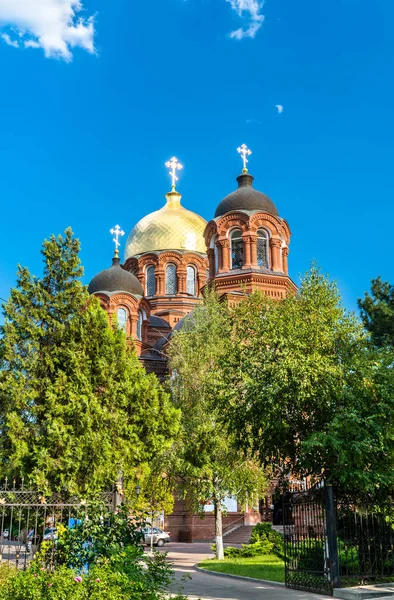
(76, 407)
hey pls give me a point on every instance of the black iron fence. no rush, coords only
(331, 544)
(27, 518)
(365, 546)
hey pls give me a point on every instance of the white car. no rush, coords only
(160, 537)
(50, 533)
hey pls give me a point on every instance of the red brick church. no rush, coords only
(170, 255)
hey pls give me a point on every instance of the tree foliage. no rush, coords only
(76, 407)
(377, 312)
(207, 459)
(305, 391)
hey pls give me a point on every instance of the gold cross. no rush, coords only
(244, 152)
(116, 231)
(175, 166)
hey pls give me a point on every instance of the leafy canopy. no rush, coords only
(207, 458)
(76, 407)
(305, 391)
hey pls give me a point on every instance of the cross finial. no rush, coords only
(244, 152)
(175, 166)
(116, 231)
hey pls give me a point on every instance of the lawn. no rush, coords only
(260, 567)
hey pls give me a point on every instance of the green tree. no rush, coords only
(76, 407)
(208, 463)
(377, 312)
(307, 394)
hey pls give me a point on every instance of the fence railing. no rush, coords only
(27, 519)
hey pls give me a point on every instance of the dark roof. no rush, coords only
(158, 322)
(246, 198)
(116, 279)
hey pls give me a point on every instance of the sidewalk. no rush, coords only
(216, 587)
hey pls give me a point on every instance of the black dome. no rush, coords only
(246, 198)
(115, 279)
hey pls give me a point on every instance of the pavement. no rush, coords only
(202, 586)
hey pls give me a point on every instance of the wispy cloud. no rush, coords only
(253, 122)
(56, 26)
(9, 41)
(250, 10)
(279, 108)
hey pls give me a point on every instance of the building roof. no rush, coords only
(115, 279)
(246, 198)
(173, 227)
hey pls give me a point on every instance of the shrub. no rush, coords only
(65, 584)
(263, 532)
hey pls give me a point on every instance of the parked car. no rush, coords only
(160, 537)
(50, 533)
(6, 534)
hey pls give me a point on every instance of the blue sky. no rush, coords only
(92, 110)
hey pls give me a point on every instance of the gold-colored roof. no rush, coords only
(170, 228)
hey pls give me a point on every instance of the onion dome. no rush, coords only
(116, 279)
(246, 198)
(173, 227)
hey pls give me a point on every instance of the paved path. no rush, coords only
(212, 587)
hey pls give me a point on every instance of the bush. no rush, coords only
(263, 532)
(99, 556)
(65, 584)
(259, 548)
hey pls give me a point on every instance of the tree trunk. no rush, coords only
(218, 529)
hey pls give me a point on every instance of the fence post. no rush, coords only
(331, 531)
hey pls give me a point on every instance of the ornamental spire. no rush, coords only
(244, 152)
(174, 166)
(116, 231)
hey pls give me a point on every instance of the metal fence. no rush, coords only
(365, 546)
(27, 519)
(330, 543)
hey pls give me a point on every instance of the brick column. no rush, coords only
(224, 255)
(211, 259)
(276, 245)
(160, 285)
(285, 254)
(253, 252)
(181, 276)
(247, 240)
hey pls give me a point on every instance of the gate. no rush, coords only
(306, 549)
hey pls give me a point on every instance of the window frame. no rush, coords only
(239, 238)
(168, 265)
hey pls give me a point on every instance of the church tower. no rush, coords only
(248, 242)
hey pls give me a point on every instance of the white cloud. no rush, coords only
(251, 11)
(279, 108)
(56, 26)
(9, 41)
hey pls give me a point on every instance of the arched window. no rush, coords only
(139, 325)
(150, 281)
(262, 248)
(191, 280)
(171, 279)
(237, 249)
(121, 316)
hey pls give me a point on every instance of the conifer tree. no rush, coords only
(76, 407)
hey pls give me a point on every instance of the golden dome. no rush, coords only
(170, 228)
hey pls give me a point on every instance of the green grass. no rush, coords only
(260, 567)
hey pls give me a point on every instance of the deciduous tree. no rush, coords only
(210, 465)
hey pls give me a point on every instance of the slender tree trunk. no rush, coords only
(218, 528)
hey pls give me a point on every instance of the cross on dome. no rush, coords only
(116, 231)
(175, 166)
(244, 152)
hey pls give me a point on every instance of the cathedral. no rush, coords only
(170, 256)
